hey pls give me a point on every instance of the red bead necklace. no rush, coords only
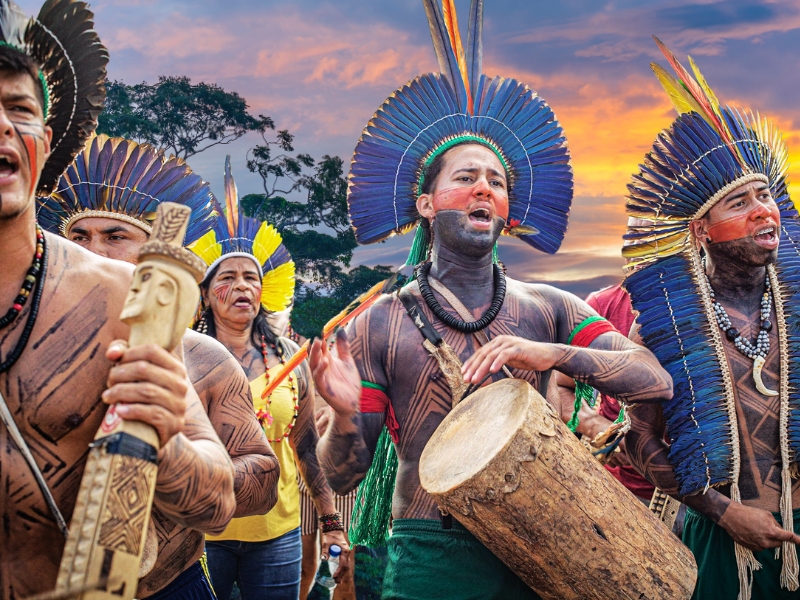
(263, 415)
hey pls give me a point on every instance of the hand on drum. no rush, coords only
(754, 528)
(336, 376)
(338, 538)
(515, 352)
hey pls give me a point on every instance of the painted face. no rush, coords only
(108, 237)
(473, 181)
(234, 293)
(748, 213)
(24, 142)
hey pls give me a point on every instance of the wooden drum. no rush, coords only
(506, 467)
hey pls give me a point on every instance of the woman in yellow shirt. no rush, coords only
(250, 272)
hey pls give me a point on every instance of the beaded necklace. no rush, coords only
(263, 415)
(27, 283)
(756, 351)
(40, 258)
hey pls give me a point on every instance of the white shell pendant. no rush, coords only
(758, 364)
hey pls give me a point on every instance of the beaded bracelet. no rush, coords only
(331, 522)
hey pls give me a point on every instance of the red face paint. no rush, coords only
(223, 292)
(463, 198)
(746, 225)
(30, 148)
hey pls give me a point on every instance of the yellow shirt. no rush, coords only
(285, 516)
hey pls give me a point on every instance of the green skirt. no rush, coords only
(426, 561)
(717, 577)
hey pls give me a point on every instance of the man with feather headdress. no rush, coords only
(715, 282)
(467, 157)
(62, 326)
(105, 202)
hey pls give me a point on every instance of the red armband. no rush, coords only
(375, 400)
(588, 331)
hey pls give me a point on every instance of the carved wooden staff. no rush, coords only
(109, 526)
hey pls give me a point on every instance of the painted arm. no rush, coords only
(195, 475)
(753, 528)
(348, 446)
(225, 392)
(612, 364)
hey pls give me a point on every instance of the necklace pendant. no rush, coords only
(758, 365)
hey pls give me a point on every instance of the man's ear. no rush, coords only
(48, 138)
(699, 228)
(425, 206)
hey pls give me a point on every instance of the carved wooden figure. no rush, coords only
(109, 526)
(508, 469)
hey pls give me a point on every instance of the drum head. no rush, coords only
(474, 432)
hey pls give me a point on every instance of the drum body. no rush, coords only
(506, 467)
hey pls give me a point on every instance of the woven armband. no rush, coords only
(375, 400)
(582, 336)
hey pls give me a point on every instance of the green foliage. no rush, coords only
(176, 115)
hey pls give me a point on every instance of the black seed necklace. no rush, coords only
(454, 322)
(14, 355)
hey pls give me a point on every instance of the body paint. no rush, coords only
(223, 292)
(742, 226)
(460, 198)
(31, 135)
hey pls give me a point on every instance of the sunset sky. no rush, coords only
(321, 68)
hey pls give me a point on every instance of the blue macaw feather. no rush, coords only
(118, 175)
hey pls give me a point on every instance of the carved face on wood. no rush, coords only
(162, 298)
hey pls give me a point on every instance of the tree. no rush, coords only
(176, 115)
(187, 119)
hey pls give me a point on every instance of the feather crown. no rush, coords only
(63, 43)
(120, 179)
(236, 235)
(705, 154)
(437, 110)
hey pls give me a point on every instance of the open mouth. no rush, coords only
(242, 302)
(766, 235)
(8, 165)
(481, 215)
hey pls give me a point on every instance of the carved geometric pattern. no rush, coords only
(127, 507)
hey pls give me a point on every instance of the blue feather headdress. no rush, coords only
(120, 179)
(236, 235)
(437, 110)
(706, 154)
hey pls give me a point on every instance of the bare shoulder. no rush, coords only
(77, 273)
(215, 374)
(204, 347)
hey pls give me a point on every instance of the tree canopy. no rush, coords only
(175, 114)
(304, 199)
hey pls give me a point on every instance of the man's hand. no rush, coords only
(515, 352)
(754, 528)
(148, 384)
(338, 538)
(335, 375)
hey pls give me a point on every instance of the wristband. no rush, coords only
(331, 522)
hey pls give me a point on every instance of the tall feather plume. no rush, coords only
(681, 99)
(451, 23)
(231, 200)
(475, 45)
(445, 53)
(697, 92)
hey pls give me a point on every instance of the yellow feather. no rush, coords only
(681, 99)
(277, 287)
(207, 248)
(712, 98)
(266, 242)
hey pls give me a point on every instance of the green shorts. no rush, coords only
(717, 576)
(426, 561)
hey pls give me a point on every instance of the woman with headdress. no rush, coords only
(250, 274)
